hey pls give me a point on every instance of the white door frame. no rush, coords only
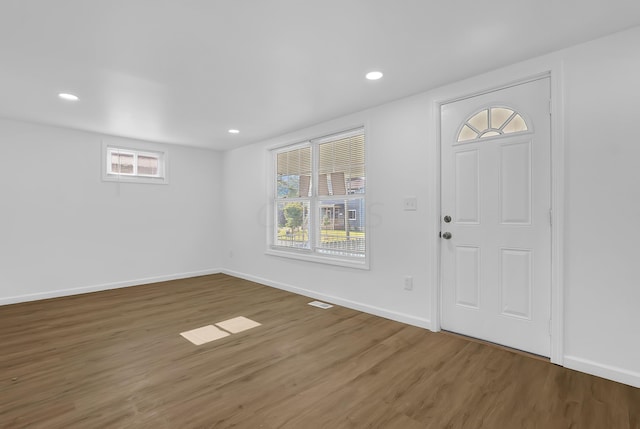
(490, 83)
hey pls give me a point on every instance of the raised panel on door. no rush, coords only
(467, 186)
(516, 282)
(467, 276)
(515, 183)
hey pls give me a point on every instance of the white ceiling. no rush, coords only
(185, 71)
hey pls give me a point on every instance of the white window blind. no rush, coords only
(294, 173)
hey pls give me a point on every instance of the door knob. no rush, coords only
(447, 219)
(446, 235)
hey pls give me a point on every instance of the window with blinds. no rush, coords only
(319, 197)
(137, 165)
(133, 163)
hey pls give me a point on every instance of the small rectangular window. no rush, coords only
(128, 164)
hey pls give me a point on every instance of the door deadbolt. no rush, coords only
(447, 219)
(446, 235)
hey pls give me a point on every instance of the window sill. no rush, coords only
(136, 179)
(361, 264)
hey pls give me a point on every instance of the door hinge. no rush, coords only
(551, 217)
(550, 107)
(549, 327)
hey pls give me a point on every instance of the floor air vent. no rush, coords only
(319, 304)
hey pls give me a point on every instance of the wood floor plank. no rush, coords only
(116, 359)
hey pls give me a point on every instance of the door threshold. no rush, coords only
(500, 346)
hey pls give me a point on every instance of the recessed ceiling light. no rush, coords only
(374, 75)
(66, 96)
(232, 131)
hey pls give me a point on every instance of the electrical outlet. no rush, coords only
(408, 283)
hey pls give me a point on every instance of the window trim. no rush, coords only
(311, 255)
(136, 149)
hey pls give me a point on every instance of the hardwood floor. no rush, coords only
(116, 359)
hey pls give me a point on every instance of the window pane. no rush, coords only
(467, 134)
(499, 116)
(341, 166)
(515, 125)
(480, 121)
(293, 224)
(490, 134)
(294, 173)
(121, 163)
(342, 227)
(147, 165)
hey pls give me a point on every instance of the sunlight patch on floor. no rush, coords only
(209, 333)
(237, 324)
(203, 335)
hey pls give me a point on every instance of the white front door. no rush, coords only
(495, 221)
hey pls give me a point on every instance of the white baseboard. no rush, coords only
(377, 311)
(605, 371)
(104, 286)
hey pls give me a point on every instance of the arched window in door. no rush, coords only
(491, 122)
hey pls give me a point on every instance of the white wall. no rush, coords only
(395, 138)
(602, 206)
(63, 230)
